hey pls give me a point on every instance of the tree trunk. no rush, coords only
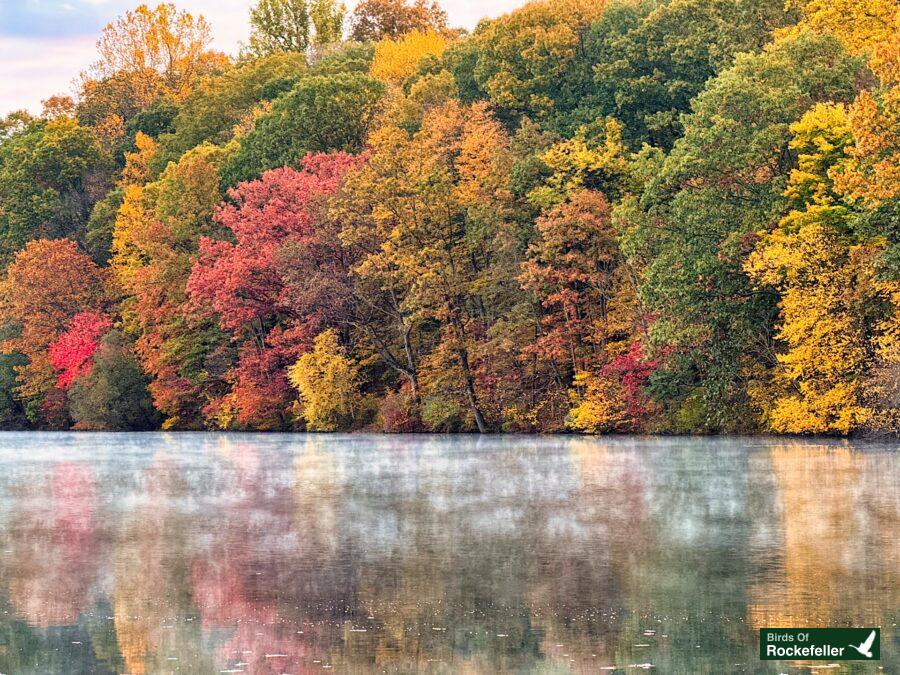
(463, 356)
(470, 390)
(413, 373)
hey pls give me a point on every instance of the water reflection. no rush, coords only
(201, 553)
(839, 516)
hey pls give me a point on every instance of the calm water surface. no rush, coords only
(207, 553)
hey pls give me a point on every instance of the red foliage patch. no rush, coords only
(72, 353)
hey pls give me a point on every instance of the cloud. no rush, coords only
(50, 18)
(34, 69)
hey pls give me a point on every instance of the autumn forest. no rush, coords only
(622, 216)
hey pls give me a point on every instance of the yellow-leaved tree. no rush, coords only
(870, 177)
(149, 55)
(396, 60)
(819, 380)
(594, 158)
(164, 49)
(858, 24)
(328, 382)
(410, 93)
(831, 296)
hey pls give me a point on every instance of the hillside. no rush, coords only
(661, 216)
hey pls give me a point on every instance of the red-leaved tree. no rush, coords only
(281, 282)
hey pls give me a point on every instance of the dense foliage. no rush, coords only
(638, 215)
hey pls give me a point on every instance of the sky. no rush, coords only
(45, 44)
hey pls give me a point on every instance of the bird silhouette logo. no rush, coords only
(865, 648)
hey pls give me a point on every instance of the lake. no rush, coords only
(227, 553)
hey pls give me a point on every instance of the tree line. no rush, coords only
(656, 216)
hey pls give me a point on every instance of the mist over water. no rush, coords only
(295, 553)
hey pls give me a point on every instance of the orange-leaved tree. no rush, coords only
(46, 285)
(156, 238)
(431, 218)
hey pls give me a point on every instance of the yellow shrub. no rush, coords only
(599, 408)
(328, 383)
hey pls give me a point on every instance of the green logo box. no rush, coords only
(820, 644)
